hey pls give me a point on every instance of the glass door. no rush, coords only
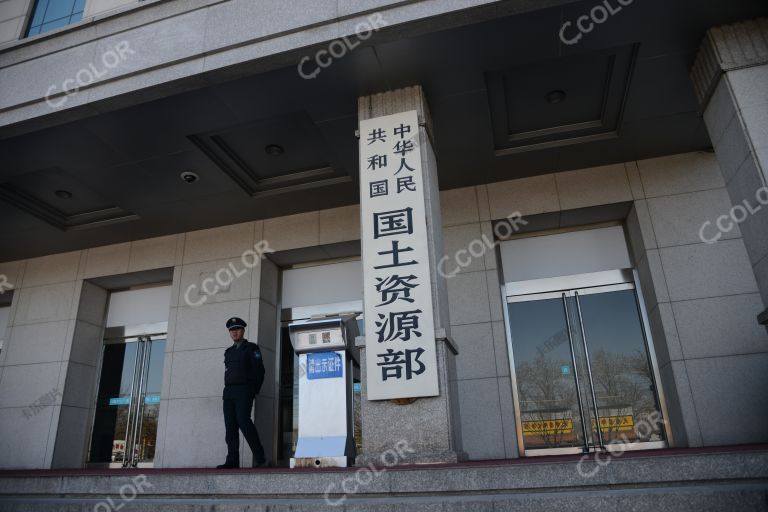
(550, 404)
(582, 371)
(623, 391)
(128, 402)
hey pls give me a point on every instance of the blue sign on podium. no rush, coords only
(324, 365)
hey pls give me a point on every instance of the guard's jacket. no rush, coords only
(244, 366)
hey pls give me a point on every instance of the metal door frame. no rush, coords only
(583, 284)
(124, 335)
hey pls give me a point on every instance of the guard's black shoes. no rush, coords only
(262, 464)
(228, 465)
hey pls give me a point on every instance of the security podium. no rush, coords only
(326, 349)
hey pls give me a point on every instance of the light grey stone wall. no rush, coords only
(13, 19)
(701, 300)
(191, 425)
(731, 76)
(737, 120)
(264, 314)
(474, 297)
(41, 323)
(4, 311)
(100, 7)
(81, 381)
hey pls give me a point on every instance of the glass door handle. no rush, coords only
(589, 372)
(139, 402)
(575, 373)
(129, 420)
(143, 391)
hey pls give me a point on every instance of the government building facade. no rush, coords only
(535, 234)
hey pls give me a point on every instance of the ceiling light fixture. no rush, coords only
(189, 177)
(556, 96)
(274, 149)
(63, 194)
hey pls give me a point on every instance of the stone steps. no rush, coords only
(726, 481)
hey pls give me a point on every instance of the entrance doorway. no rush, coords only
(128, 401)
(311, 290)
(290, 371)
(584, 375)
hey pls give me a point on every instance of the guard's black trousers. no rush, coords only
(238, 404)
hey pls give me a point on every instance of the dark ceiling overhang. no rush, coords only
(626, 96)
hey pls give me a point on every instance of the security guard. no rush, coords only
(243, 377)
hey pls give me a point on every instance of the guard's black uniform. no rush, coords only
(243, 377)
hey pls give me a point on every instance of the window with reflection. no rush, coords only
(50, 14)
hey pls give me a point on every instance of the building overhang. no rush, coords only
(244, 104)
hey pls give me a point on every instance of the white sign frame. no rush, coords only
(400, 348)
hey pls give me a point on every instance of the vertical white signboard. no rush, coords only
(399, 321)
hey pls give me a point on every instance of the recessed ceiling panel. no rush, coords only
(528, 110)
(60, 199)
(59, 189)
(277, 147)
(557, 102)
(274, 155)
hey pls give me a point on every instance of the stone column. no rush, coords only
(429, 426)
(730, 76)
(82, 377)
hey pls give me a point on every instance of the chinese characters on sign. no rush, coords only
(324, 365)
(400, 337)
